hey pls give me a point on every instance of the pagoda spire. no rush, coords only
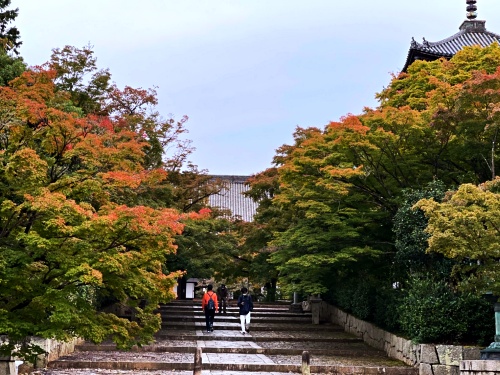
(471, 9)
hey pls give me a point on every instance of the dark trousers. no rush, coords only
(222, 305)
(209, 319)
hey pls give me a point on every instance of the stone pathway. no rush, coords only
(274, 346)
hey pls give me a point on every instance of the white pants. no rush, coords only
(244, 319)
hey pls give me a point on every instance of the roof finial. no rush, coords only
(471, 9)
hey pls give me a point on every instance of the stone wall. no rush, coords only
(54, 349)
(480, 367)
(431, 359)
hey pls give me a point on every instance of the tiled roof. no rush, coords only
(233, 198)
(472, 32)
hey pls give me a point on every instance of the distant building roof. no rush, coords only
(472, 32)
(233, 198)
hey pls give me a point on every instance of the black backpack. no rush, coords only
(210, 303)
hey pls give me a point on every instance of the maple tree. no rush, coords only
(475, 122)
(465, 227)
(415, 87)
(71, 242)
(339, 188)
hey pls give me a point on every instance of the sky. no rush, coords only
(246, 72)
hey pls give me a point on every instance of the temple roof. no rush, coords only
(472, 32)
(233, 199)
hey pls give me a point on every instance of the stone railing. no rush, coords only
(430, 359)
(54, 349)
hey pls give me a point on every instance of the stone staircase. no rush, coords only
(275, 345)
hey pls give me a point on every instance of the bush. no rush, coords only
(356, 297)
(431, 313)
(385, 315)
(478, 313)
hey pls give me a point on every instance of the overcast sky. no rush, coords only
(246, 72)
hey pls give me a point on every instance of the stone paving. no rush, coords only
(274, 346)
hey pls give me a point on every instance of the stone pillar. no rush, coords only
(7, 366)
(198, 365)
(315, 302)
(497, 322)
(306, 363)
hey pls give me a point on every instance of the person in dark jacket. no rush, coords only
(245, 304)
(222, 295)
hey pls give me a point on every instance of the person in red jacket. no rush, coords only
(209, 305)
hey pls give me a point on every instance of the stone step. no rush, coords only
(232, 366)
(231, 302)
(232, 310)
(255, 326)
(229, 362)
(85, 371)
(356, 351)
(216, 336)
(275, 345)
(231, 318)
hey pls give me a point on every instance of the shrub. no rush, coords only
(430, 312)
(385, 315)
(355, 296)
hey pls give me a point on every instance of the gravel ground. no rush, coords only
(169, 343)
(110, 372)
(120, 356)
(158, 343)
(136, 372)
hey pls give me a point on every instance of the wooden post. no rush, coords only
(306, 363)
(198, 365)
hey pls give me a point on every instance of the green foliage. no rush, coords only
(464, 227)
(415, 88)
(10, 68)
(9, 35)
(387, 302)
(329, 204)
(82, 236)
(430, 312)
(410, 236)
(77, 74)
(356, 296)
(206, 249)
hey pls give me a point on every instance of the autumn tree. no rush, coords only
(465, 227)
(70, 246)
(412, 88)
(340, 187)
